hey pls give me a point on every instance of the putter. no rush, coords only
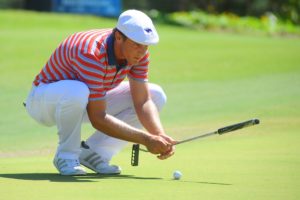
(136, 147)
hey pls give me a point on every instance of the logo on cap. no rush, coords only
(148, 30)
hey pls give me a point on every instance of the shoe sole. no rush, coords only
(69, 174)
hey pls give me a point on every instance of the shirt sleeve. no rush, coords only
(139, 72)
(91, 70)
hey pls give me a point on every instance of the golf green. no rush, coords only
(211, 80)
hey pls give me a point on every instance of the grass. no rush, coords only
(211, 80)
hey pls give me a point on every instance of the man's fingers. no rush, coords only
(167, 154)
(162, 145)
(169, 139)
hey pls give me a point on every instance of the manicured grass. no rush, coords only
(211, 80)
(244, 166)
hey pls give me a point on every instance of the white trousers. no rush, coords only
(63, 104)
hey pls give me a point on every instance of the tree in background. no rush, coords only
(285, 9)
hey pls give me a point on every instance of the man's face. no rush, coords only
(133, 52)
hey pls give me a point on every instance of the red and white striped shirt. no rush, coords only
(89, 57)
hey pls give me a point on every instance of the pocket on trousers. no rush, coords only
(35, 109)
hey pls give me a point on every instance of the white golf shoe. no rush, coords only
(93, 161)
(68, 167)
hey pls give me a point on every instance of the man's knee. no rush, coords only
(158, 95)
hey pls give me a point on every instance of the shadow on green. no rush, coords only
(59, 178)
(53, 177)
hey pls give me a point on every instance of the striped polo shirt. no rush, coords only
(89, 57)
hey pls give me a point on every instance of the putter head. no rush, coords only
(135, 155)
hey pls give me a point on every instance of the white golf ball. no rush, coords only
(177, 175)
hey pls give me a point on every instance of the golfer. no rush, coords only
(83, 81)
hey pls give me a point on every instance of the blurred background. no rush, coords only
(270, 16)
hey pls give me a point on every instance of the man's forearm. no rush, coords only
(118, 129)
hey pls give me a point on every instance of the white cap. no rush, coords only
(138, 27)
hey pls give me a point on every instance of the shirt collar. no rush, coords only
(111, 54)
(110, 50)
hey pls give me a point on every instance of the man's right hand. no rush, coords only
(157, 144)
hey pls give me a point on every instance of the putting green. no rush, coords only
(211, 80)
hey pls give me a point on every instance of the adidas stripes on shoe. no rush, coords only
(92, 160)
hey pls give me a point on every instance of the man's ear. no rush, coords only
(118, 36)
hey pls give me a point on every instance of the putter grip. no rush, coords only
(234, 127)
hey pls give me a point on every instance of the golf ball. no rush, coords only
(177, 175)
